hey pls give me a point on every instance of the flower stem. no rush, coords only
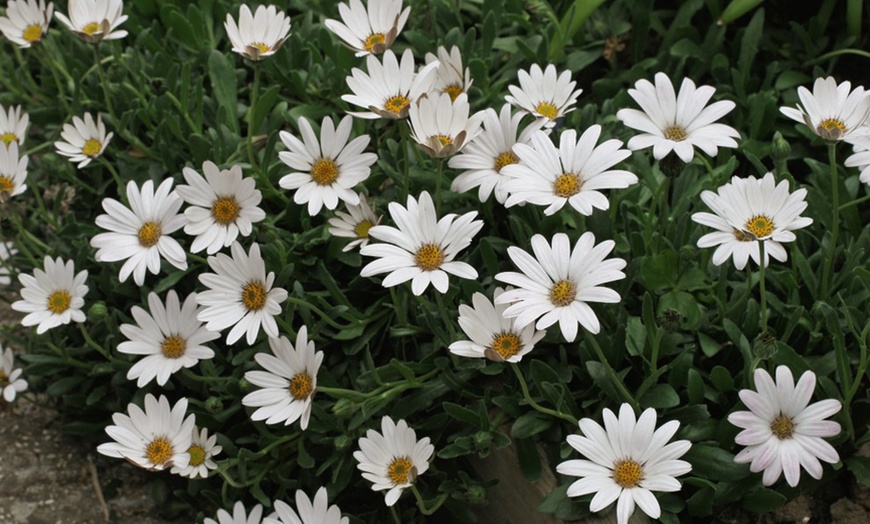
(855, 202)
(761, 256)
(626, 395)
(105, 86)
(422, 504)
(406, 182)
(108, 165)
(318, 311)
(439, 173)
(255, 93)
(547, 411)
(835, 227)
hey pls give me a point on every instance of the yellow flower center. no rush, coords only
(453, 90)
(225, 210)
(401, 471)
(831, 129)
(395, 104)
(301, 386)
(362, 229)
(547, 109)
(32, 33)
(254, 296)
(324, 171)
(742, 236)
(173, 346)
(4, 380)
(567, 185)
(563, 293)
(59, 301)
(782, 427)
(505, 159)
(149, 234)
(675, 133)
(159, 451)
(429, 257)
(261, 46)
(627, 473)
(197, 455)
(444, 139)
(506, 344)
(760, 226)
(375, 43)
(91, 29)
(8, 138)
(92, 148)
(6, 185)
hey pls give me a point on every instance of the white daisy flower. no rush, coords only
(13, 172)
(628, 459)
(258, 35)
(372, 30)
(7, 251)
(573, 174)
(544, 94)
(441, 125)
(451, 77)
(202, 449)
(493, 335)
(85, 140)
(239, 515)
(11, 382)
(240, 294)
(782, 432)
(222, 205)
(751, 209)
(140, 234)
(170, 337)
(422, 249)
(13, 125)
(328, 169)
(485, 157)
(389, 88)
(26, 21)
(354, 224)
(154, 439)
(394, 458)
(317, 511)
(52, 297)
(95, 20)
(289, 382)
(671, 122)
(557, 283)
(832, 111)
(860, 157)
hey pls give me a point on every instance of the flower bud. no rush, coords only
(779, 148)
(214, 405)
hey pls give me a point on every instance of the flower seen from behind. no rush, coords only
(13, 125)
(389, 87)
(354, 224)
(26, 21)
(393, 458)
(53, 296)
(626, 460)
(677, 122)
(451, 78)
(85, 140)
(371, 29)
(544, 94)
(202, 449)
(260, 34)
(308, 511)
(832, 111)
(782, 431)
(441, 125)
(239, 515)
(11, 382)
(95, 20)
(13, 172)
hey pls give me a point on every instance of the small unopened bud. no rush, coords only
(476, 495)
(765, 345)
(97, 311)
(342, 442)
(214, 405)
(779, 148)
(671, 320)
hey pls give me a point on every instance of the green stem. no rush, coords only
(255, 93)
(855, 202)
(761, 268)
(442, 309)
(742, 301)
(90, 342)
(404, 128)
(318, 311)
(657, 342)
(340, 393)
(709, 166)
(626, 395)
(439, 174)
(121, 188)
(835, 227)
(105, 86)
(61, 92)
(422, 505)
(651, 216)
(547, 411)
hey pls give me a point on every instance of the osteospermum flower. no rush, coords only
(394, 458)
(388, 89)
(238, 516)
(13, 125)
(679, 123)
(326, 169)
(441, 125)
(628, 459)
(573, 174)
(258, 35)
(557, 284)
(369, 30)
(860, 157)
(154, 439)
(422, 249)
(485, 157)
(95, 20)
(748, 210)
(202, 449)
(782, 432)
(26, 21)
(170, 338)
(317, 511)
(52, 297)
(222, 205)
(13, 172)
(85, 140)
(140, 234)
(11, 382)
(544, 94)
(240, 295)
(289, 382)
(6, 252)
(354, 224)
(451, 78)
(493, 335)
(832, 111)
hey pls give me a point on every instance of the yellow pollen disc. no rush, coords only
(225, 210)
(301, 386)
(4, 380)
(197, 455)
(91, 28)
(375, 43)
(324, 171)
(262, 47)
(444, 139)
(506, 344)
(453, 90)
(782, 427)
(563, 293)
(6, 185)
(159, 451)
(254, 296)
(505, 159)
(8, 138)
(675, 133)
(760, 226)
(59, 301)
(149, 234)
(742, 236)
(832, 124)
(400, 471)
(429, 257)
(627, 473)
(32, 33)
(395, 104)
(567, 185)
(173, 346)
(362, 229)
(547, 109)
(92, 148)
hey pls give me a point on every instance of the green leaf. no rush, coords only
(64, 385)
(763, 501)
(860, 467)
(529, 425)
(695, 387)
(223, 81)
(660, 396)
(529, 459)
(660, 271)
(721, 379)
(460, 413)
(715, 463)
(749, 45)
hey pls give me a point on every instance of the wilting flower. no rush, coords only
(372, 30)
(388, 89)
(26, 21)
(52, 297)
(441, 126)
(451, 77)
(202, 449)
(11, 382)
(543, 94)
(85, 140)
(13, 172)
(354, 224)
(832, 111)
(95, 20)
(13, 125)
(317, 511)
(239, 515)
(258, 35)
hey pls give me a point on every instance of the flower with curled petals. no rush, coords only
(832, 111)
(13, 125)
(544, 94)
(95, 20)
(355, 224)
(26, 21)
(389, 87)
(441, 126)
(202, 449)
(85, 140)
(260, 34)
(451, 77)
(316, 511)
(369, 29)
(11, 382)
